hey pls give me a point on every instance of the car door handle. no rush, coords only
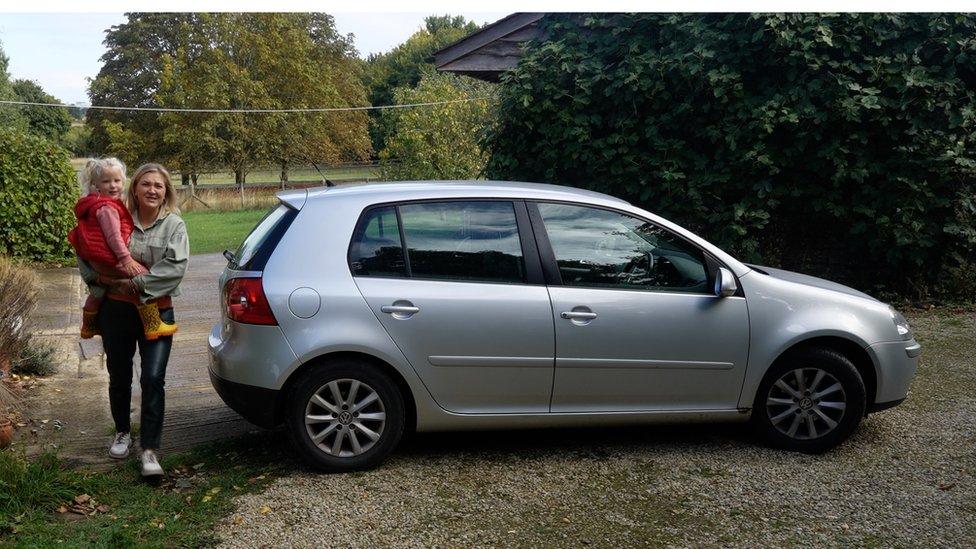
(401, 309)
(577, 315)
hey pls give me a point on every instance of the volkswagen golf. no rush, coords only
(355, 314)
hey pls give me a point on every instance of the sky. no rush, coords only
(61, 50)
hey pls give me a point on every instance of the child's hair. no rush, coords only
(95, 167)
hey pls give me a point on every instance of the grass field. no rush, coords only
(211, 231)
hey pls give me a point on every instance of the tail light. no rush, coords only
(245, 302)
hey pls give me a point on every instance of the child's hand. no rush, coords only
(131, 268)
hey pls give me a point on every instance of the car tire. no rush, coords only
(314, 410)
(810, 401)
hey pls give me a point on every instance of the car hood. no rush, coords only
(808, 280)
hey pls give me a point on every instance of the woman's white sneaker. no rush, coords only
(120, 446)
(150, 464)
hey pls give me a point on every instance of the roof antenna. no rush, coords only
(328, 182)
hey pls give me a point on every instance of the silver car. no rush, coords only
(355, 314)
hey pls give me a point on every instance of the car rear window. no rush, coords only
(254, 252)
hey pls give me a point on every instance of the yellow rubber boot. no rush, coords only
(89, 324)
(152, 324)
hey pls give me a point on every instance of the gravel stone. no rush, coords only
(905, 479)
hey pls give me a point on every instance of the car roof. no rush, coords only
(419, 190)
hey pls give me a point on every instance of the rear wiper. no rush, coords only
(229, 256)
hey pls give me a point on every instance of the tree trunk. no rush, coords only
(239, 179)
(284, 173)
(184, 178)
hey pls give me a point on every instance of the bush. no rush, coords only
(30, 486)
(37, 194)
(77, 141)
(36, 358)
(838, 145)
(18, 288)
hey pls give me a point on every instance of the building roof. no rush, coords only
(489, 52)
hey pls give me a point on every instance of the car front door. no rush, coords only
(465, 303)
(637, 325)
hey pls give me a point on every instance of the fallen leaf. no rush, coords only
(264, 510)
(566, 520)
(83, 498)
(214, 491)
(238, 520)
(946, 485)
(103, 508)
(206, 499)
(198, 466)
(44, 421)
(62, 509)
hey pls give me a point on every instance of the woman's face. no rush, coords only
(110, 183)
(150, 190)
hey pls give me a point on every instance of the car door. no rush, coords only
(637, 327)
(462, 295)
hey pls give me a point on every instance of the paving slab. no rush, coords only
(74, 400)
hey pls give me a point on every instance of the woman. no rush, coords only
(158, 242)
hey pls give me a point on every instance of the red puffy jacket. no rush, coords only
(87, 237)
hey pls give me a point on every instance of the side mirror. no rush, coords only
(724, 283)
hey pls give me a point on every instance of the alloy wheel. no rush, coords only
(345, 417)
(806, 403)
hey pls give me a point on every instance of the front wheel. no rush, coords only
(345, 416)
(810, 401)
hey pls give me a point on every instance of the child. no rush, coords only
(102, 237)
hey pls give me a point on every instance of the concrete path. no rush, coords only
(76, 408)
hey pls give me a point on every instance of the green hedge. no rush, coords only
(843, 146)
(37, 193)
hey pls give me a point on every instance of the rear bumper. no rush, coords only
(255, 404)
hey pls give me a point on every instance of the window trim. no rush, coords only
(550, 263)
(527, 242)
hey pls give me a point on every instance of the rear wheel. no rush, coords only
(345, 416)
(811, 400)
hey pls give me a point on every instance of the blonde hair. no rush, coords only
(169, 202)
(95, 168)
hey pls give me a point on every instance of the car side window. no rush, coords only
(474, 241)
(376, 248)
(605, 249)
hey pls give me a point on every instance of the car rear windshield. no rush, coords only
(254, 252)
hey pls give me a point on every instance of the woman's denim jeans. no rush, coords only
(122, 330)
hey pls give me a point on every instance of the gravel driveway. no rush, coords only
(905, 478)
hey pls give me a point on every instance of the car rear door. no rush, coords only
(637, 327)
(460, 291)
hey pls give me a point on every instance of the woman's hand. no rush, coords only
(131, 268)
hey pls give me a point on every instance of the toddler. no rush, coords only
(101, 237)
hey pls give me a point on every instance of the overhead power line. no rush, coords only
(257, 111)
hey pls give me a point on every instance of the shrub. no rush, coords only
(37, 194)
(841, 145)
(18, 289)
(77, 140)
(36, 358)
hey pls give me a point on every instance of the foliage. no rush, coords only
(404, 65)
(801, 140)
(37, 195)
(439, 141)
(78, 140)
(48, 122)
(36, 358)
(227, 61)
(10, 116)
(18, 292)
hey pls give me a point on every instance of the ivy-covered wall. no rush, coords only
(843, 146)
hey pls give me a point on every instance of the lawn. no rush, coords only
(212, 231)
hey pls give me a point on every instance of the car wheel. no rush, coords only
(345, 416)
(811, 400)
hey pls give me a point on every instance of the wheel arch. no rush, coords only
(409, 403)
(850, 349)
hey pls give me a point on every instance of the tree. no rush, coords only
(48, 122)
(11, 116)
(439, 141)
(405, 64)
(800, 140)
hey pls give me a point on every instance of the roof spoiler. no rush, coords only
(293, 199)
